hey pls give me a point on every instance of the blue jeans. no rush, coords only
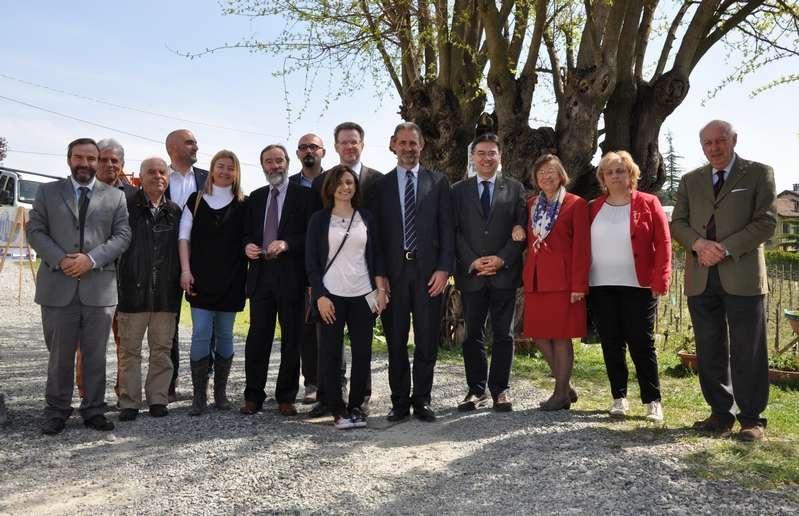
(205, 321)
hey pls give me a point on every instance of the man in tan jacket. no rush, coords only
(723, 214)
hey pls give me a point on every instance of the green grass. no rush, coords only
(240, 326)
(773, 463)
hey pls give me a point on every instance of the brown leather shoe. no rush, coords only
(715, 424)
(503, 403)
(751, 432)
(249, 408)
(287, 409)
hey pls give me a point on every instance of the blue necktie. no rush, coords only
(410, 213)
(485, 198)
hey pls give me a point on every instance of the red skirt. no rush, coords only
(550, 315)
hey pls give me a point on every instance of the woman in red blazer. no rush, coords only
(556, 274)
(630, 268)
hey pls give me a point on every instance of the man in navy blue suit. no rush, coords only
(413, 211)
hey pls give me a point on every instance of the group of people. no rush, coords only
(321, 251)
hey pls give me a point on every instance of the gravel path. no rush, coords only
(526, 461)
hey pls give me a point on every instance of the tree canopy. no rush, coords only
(614, 70)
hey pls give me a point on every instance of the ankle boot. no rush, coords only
(221, 373)
(199, 380)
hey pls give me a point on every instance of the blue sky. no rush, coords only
(120, 52)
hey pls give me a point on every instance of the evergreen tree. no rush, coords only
(671, 161)
(3, 148)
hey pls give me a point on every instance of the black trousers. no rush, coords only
(477, 306)
(625, 316)
(264, 311)
(731, 350)
(409, 296)
(355, 314)
(309, 356)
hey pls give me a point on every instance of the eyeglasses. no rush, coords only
(308, 147)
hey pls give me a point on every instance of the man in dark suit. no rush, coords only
(184, 180)
(274, 238)
(310, 151)
(79, 227)
(488, 271)
(413, 211)
(348, 138)
(724, 213)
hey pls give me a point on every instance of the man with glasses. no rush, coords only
(310, 151)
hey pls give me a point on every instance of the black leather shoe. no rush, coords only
(397, 414)
(128, 414)
(158, 411)
(53, 426)
(99, 423)
(424, 413)
(319, 410)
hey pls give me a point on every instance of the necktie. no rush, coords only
(83, 204)
(410, 213)
(270, 224)
(485, 198)
(711, 224)
(719, 182)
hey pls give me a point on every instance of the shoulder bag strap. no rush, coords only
(341, 245)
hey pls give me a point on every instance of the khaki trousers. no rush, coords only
(160, 327)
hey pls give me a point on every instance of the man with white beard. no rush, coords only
(274, 235)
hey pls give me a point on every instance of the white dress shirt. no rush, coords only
(181, 186)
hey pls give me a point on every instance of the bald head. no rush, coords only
(310, 151)
(182, 149)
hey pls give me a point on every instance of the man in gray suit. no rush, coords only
(723, 214)
(79, 227)
(488, 270)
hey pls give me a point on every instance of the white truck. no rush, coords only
(16, 191)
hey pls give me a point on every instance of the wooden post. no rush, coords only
(20, 221)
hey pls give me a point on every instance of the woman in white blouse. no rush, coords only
(213, 271)
(630, 268)
(345, 269)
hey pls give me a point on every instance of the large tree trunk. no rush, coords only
(634, 117)
(447, 124)
(584, 95)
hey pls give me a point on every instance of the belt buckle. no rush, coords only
(410, 255)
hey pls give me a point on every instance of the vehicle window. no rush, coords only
(9, 187)
(27, 190)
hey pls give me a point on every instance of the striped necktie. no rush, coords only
(410, 213)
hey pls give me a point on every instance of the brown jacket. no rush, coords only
(745, 219)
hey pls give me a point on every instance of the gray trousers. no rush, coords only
(64, 327)
(731, 350)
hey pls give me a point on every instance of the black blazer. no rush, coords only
(435, 235)
(284, 275)
(200, 177)
(476, 236)
(317, 250)
(366, 181)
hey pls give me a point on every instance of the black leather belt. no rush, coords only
(409, 256)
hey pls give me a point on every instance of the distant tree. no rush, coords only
(3, 148)
(673, 171)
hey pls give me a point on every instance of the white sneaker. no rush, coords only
(654, 412)
(343, 422)
(620, 408)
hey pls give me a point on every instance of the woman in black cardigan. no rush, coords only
(348, 286)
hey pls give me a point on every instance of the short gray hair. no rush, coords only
(112, 144)
(145, 161)
(728, 128)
